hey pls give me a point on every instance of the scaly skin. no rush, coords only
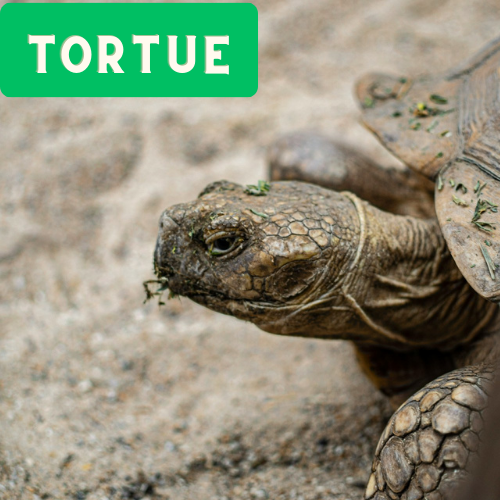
(313, 262)
(431, 442)
(307, 261)
(315, 158)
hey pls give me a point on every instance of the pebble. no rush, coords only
(259, 493)
(85, 385)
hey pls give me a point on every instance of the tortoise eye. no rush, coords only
(224, 242)
(224, 245)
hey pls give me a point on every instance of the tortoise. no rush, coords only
(339, 247)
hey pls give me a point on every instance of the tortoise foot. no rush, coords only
(432, 440)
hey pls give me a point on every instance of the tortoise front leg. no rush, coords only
(314, 158)
(432, 440)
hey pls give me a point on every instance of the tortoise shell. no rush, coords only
(447, 127)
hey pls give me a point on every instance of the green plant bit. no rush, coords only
(448, 219)
(459, 201)
(261, 189)
(441, 112)
(483, 206)
(397, 114)
(422, 110)
(368, 102)
(462, 187)
(439, 155)
(432, 126)
(473, 265)
(489, 263)
(438, 99)
(403, 80)
(484, 226)
(158, 293)
(174, 249)
(487, 243)
(440, 183)
(478, 188)
(416, 126)
(452, 183)
(492, 206)
(445, 133)
(260, 214)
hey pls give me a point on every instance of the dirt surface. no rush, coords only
(102, 397)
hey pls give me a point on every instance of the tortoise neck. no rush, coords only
(406, 287)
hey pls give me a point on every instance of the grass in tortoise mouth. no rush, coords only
(163, 286)
(163, 282)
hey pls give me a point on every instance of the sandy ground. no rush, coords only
(102, 397)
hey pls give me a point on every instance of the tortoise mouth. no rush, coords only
(258, 313)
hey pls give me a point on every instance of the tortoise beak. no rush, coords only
(167, 226)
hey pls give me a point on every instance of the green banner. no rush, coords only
(129, 50)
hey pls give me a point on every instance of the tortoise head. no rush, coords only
(266, 254)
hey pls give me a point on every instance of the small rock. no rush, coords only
(85, 385)
(259, 493)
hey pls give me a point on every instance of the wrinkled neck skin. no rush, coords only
(401, 289)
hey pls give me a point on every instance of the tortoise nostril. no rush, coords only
(167, 223)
